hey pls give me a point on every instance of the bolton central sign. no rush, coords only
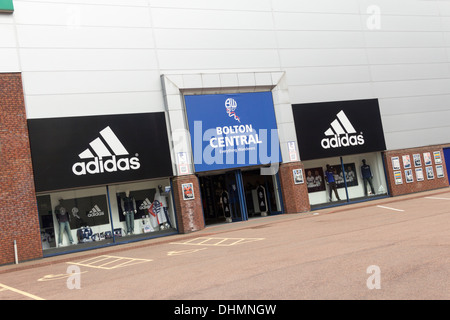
(232, 130)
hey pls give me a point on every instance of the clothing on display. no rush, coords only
(63, 219)
(367, 177)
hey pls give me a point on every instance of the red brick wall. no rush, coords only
(18, 211)
(189, 212)
(416, 186)
(295, 196)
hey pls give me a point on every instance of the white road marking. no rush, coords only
(437, 198)
(393, 209)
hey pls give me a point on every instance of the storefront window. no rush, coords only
(97, 216)
(345, 179)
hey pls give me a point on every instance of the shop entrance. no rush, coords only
(238, 195)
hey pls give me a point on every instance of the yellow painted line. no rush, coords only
(26, 294)
(218, 242)
(109, 260)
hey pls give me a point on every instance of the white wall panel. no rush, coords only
(394, 39)
(9, 61)
(217, 39)
(328, 75)
(414, 104)
(316, 21)
(247, 5)
(84, 57)
(331, 92)
(211, 19)
(83, 37)
(319, 39)
(322, 6)
(91, 82)
(57, 60)
(68, 105)
(409, 72)
(217, 59)
(322, 57)
(74, 15)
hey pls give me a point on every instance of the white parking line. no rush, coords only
(437, 198)
(393, 209)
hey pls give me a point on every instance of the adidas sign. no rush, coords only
(342, 134)
(113, 163)
(95, 212)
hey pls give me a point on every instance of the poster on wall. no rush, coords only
(314, 180)
(409, 176)
(417, 160)
(86, 211)
(395, 163)
(430, 173)
(419, 174)
(398, 177)
(406, 161)
(188, 191)
(350, 175)
(427, 158)
(143, 199)
(292, 151)
(298, 176)
(440, 171)
(437, 157)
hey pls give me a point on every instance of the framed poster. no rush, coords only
(292, 151)
(395, 163)
(188, 191)
(314, 180)
(406, 161)
(427, 158)
(409, 176)
(430, 173)
(440, 171)
(419, 174)
(350, 175)
(298, 176)
(398, 177)
(437, 157)
(417, 160)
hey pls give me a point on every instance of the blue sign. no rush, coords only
(232, 130)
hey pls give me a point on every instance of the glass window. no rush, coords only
(96, 216)
(340, 180)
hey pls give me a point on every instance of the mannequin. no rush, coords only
(329, 175)
(63, 219)
(129, 209)
(367, 177)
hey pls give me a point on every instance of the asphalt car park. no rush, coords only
(394, 248)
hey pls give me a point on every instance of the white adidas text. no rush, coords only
(112, 165)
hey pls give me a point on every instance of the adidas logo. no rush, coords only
(95, 212)
(145, 204)
(108, 147)
(342, 134)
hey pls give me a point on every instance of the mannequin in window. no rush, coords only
(129, 209)
(63, 220)
(367, 176)
(329, 176)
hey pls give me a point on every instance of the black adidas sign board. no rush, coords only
(98, 150)
(340, 128)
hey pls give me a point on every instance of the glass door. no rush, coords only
(235, 196)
